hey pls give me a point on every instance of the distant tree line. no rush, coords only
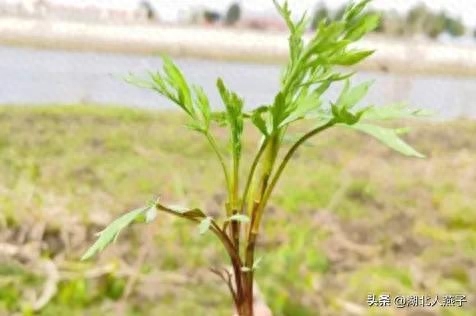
(419, 20)
(230, 18)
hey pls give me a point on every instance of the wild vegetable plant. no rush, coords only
(313, 67)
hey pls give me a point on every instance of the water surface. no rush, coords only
(30, 76)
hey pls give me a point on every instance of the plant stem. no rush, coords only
(271, 154)
(231, 250)
(252, 170)
(260, 204)
(228, 282)
(283, 164)
(234, 202)
(249, 258)
(234, 255)
(270, 147)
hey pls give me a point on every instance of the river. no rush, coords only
(30, 76)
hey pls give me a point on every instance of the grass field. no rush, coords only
(350, 218)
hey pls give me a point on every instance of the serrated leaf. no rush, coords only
(203, 106)
(354, 10)
(307, 104)
(242, 218)
(343, 115)
(219, 118)
(326, 37)
(234, 114)
(256, 264)
(110, 233)
(325, 85)
(351, 96)
(196, 126)
(177, 80)
(329, 79)
(204, 225)
(363, 26)
(138, 82)
(352, 57)
(393, 111)
(258, 120)
(388, 137)
(171, 83)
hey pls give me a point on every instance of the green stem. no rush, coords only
(270, 149)
(252, 171)
(260, 204)
(233, 207)
(235, 185)
(268, 166)
(281, 167)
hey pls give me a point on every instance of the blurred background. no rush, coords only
(78, 146)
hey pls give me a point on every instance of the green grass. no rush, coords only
(366, 221)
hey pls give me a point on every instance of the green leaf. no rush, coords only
(304, 106)
(234, 114)
(393, 111)
(354, 10)
(204, 225)
(296, 29)
(110, 233)
(202, 104)
(363, 26)
(343, 115)
(296, 43)
(278, 110)
(351, 96)
(285, 12)
(219, 118)
(327, 38)
(256, 264)
(172, 84)
(258, 120)
(188, 212)
(388, 137)
(138, 82)
(196, 126)
(242, 218)
(177, 80)
(352, 57)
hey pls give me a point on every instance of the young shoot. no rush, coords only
(313, 67)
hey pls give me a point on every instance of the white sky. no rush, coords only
(169, 9)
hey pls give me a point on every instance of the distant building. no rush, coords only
(263, 23)
(90, 11)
